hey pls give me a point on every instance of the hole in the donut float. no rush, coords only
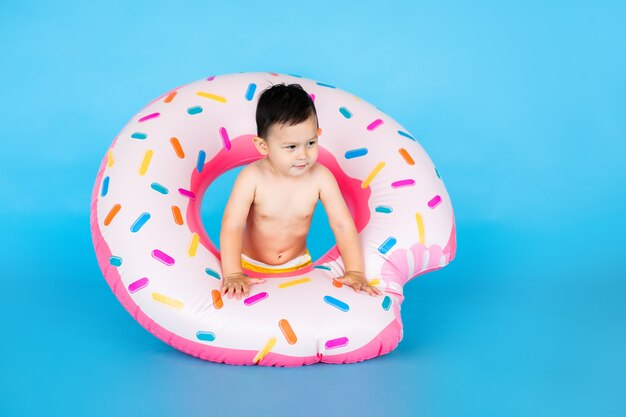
(320, 238)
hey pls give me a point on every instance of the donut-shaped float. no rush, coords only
(160, 263)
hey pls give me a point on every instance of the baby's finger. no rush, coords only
(256, 280)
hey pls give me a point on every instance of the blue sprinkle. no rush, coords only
(212, 273)
(406, 135)
(437, 172)
(158, 187)
(141, 220)
(139, 135)
(206, 336)
(115, 260)
(105, 186)
(384, 209)
(250, 91)
(324, 267)
(386, 302)
(194, 110)
(326, 85)
(355, 153)
(201, 157)
(294, 75)
(387, 244)
(346, 113)
(336, 303)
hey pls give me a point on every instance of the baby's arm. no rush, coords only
(345, 232)
(231, 236)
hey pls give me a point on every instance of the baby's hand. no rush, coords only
(358, 282)
(238, 285)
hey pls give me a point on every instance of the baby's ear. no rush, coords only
(261, 145)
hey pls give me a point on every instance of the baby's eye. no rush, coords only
(312, 143)
(291, 147)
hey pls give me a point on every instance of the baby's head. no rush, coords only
(287, 128)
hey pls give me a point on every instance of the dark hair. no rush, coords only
(282, 104)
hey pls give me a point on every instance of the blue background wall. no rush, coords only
(521, 105)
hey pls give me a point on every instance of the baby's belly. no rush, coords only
(271, 247)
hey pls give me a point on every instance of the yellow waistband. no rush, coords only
(245, 264)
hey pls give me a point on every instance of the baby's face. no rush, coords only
(292, 150)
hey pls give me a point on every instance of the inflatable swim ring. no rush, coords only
(161, 265)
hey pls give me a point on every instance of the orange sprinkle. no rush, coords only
(177, 148)
(217, 299)
(337, 283)
(170, 97)
(406, 156)
(285, 327)
(178, 218)
(112, 214)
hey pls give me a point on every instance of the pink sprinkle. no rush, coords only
(139, 284)
(336, 343)
(436, 200)
(187, 193)
(225, 139)
(402, 183)
(150, 116)
(211, 78)
(163, 257)
(312, 97)
(374, 124)
(255, 298)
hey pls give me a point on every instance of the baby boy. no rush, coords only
(269, 212)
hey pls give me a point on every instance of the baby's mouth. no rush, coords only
(300, 166)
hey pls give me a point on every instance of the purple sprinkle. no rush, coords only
(150, 116)
(187, 193)
(336, 343)
(225, 139)
(163, 257)
(434, 202)
(374, 124)
(402, 183)
(211, 78)
(255, 298)
(137, 285)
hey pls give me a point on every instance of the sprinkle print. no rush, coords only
(215, 97)
(146, 162)
(139, 135)
(374, 124)
(112, 213)
(149, 117)
(372, 175)
(194, 110)
(434, 202)
(170, 97)
(163, 257)
(178, 217)
(141, 220)
(138, 285)
(177, 148)
(225, 138)
(164, 299)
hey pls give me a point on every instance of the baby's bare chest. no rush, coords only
(282, 203)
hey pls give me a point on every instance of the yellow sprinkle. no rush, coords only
(110, 160)
(420, 227)
(374, 282)
(294, 282)
(167, 300)
(146, 162)
(372, 175)
(211, 96)
(266, 349)
(193, 245)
